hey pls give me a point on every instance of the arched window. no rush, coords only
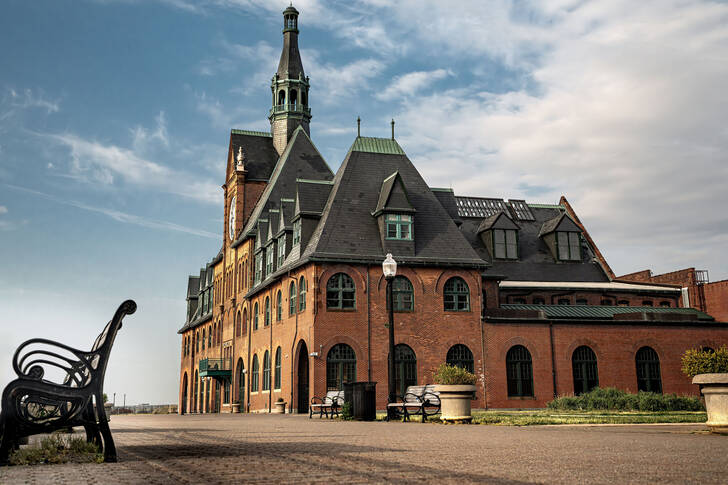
(245, 321)
(241, 382)
(302, 294)
(518, 372)
(254, 375)
(623, 303)
(341, 292)
(226, 392)
(267, 311)
(665, 304)
(203, 339)
(648, 370)
(402, 294)
(647, 303)
(281, 97)
(255, 316)
(279, 306)
(708, 349)
(277, 376)
(405, 368)
(460, 355)
(538, 300)
(340, 366)
(607, 302)
(207, 395)
(303, 98)
(266, 371)
(294, 98)
(584, 369)
(457, 295)
(195, 397)
(292, 298)
(238, 327)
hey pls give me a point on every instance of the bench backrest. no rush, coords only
(333, 396)
(415, 393)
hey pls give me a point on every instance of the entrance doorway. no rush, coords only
(184, 395)
(303, 378)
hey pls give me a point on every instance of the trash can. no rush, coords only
(364, 401)
(348, 393)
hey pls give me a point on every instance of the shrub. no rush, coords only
(346, 412)
(696, 361)
(617, 400)
(57, 449)
(448, 374)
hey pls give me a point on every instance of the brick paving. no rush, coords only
(293, 449)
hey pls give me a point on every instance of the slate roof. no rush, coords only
(290, 65)
(447, 200)
(490, 222)
(348, 231)
(535, 263)
(299, 160)
(260, 156)
(602, 312)
(311, 195)
(553, 224)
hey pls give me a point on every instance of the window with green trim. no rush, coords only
(255, 317)
(258, 267)
(279, 306)
(302, 294)
(281, 250)
(292, 298)
(460, 355)
(568, 246)
(254, 375)
(402, 294)
(340, 292)
(297, 232)
(271, 261)
(519, 372)
(584, 369)
(505, 243)
(457, 295)
(266, 371)
(399, 226)
(266, 322)
(648, 370)
(340, 367)
(277, 377)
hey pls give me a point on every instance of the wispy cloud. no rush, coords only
(340, 81)
(3, 210)
(142, 137)
(28, 98)
(120, 216)
(412, 83)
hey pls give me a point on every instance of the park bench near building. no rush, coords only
(329, 405)
(417, 400)
(34, 404)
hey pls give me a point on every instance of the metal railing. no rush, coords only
(207, 365)
(295, 108)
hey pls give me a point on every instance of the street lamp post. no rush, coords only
(389, 268)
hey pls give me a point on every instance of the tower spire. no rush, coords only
(289, 87)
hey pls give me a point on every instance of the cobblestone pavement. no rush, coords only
(294, 449)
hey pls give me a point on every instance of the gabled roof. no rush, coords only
(347, 230)
(447, 199)
(273, 223)
(562, 222)
(261, 236)
(300, 159)
(260, 156)
(193, 286)
(287, 207)
(311, 196)
(393, 196)
(500, 220)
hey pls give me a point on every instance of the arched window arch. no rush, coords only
(266, 371)
(267, 311)
(238, 327)
(255, 316)
(279, 306)
(457, 295)
(340, 366)
(402, 294)
(460, 355)
(254, 375)
(301, 294)
(245, 321)
(281, 97)
(341, 292)
(405, 368)
(519, 372)
(648, 370)
(584, 369)
(292, 298)
(294, 98)
(277, 375)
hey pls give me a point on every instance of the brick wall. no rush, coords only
(716, 299)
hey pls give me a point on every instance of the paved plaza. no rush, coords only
(294, 449)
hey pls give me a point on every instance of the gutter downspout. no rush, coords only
(482, 345)
(369, 330)
(553, 358)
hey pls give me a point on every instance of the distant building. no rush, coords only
(294, 303)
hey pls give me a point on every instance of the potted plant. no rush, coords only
(456, 387)
(235, 407)
(280, 406)
(709, 370)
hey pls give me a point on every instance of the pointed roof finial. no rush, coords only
(358, 127)
(240, 159)
(392, 128)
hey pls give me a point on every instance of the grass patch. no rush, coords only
(57, 448)
(618, 400)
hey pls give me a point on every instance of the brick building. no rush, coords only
(295, 302)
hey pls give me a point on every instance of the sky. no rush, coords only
(115, 117)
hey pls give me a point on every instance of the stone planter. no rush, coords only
(280, 408)
(715, 389)
(235, 408)
(455, 402)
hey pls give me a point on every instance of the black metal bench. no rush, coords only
(417, 400)
(32, 404)
(328, 405)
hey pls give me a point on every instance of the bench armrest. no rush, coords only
(35, 356)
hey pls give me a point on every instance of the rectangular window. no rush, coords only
(297, 232)
(281, 250)
(574, 246)
(505, 243)
(569, 246)
(271, 260)
(399, 226)
(258, 267)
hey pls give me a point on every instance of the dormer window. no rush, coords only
(399, 226)
(269, 264)
(281, 250)
(569, 246)
(258, 268)
(505, 243)
(297, 232)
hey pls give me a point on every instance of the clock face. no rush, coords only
(231, 220)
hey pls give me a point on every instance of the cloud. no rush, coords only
(120, 216)
(3, 210)
(143, 137)
(29, 99)
(412, 83)
(338, 82)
